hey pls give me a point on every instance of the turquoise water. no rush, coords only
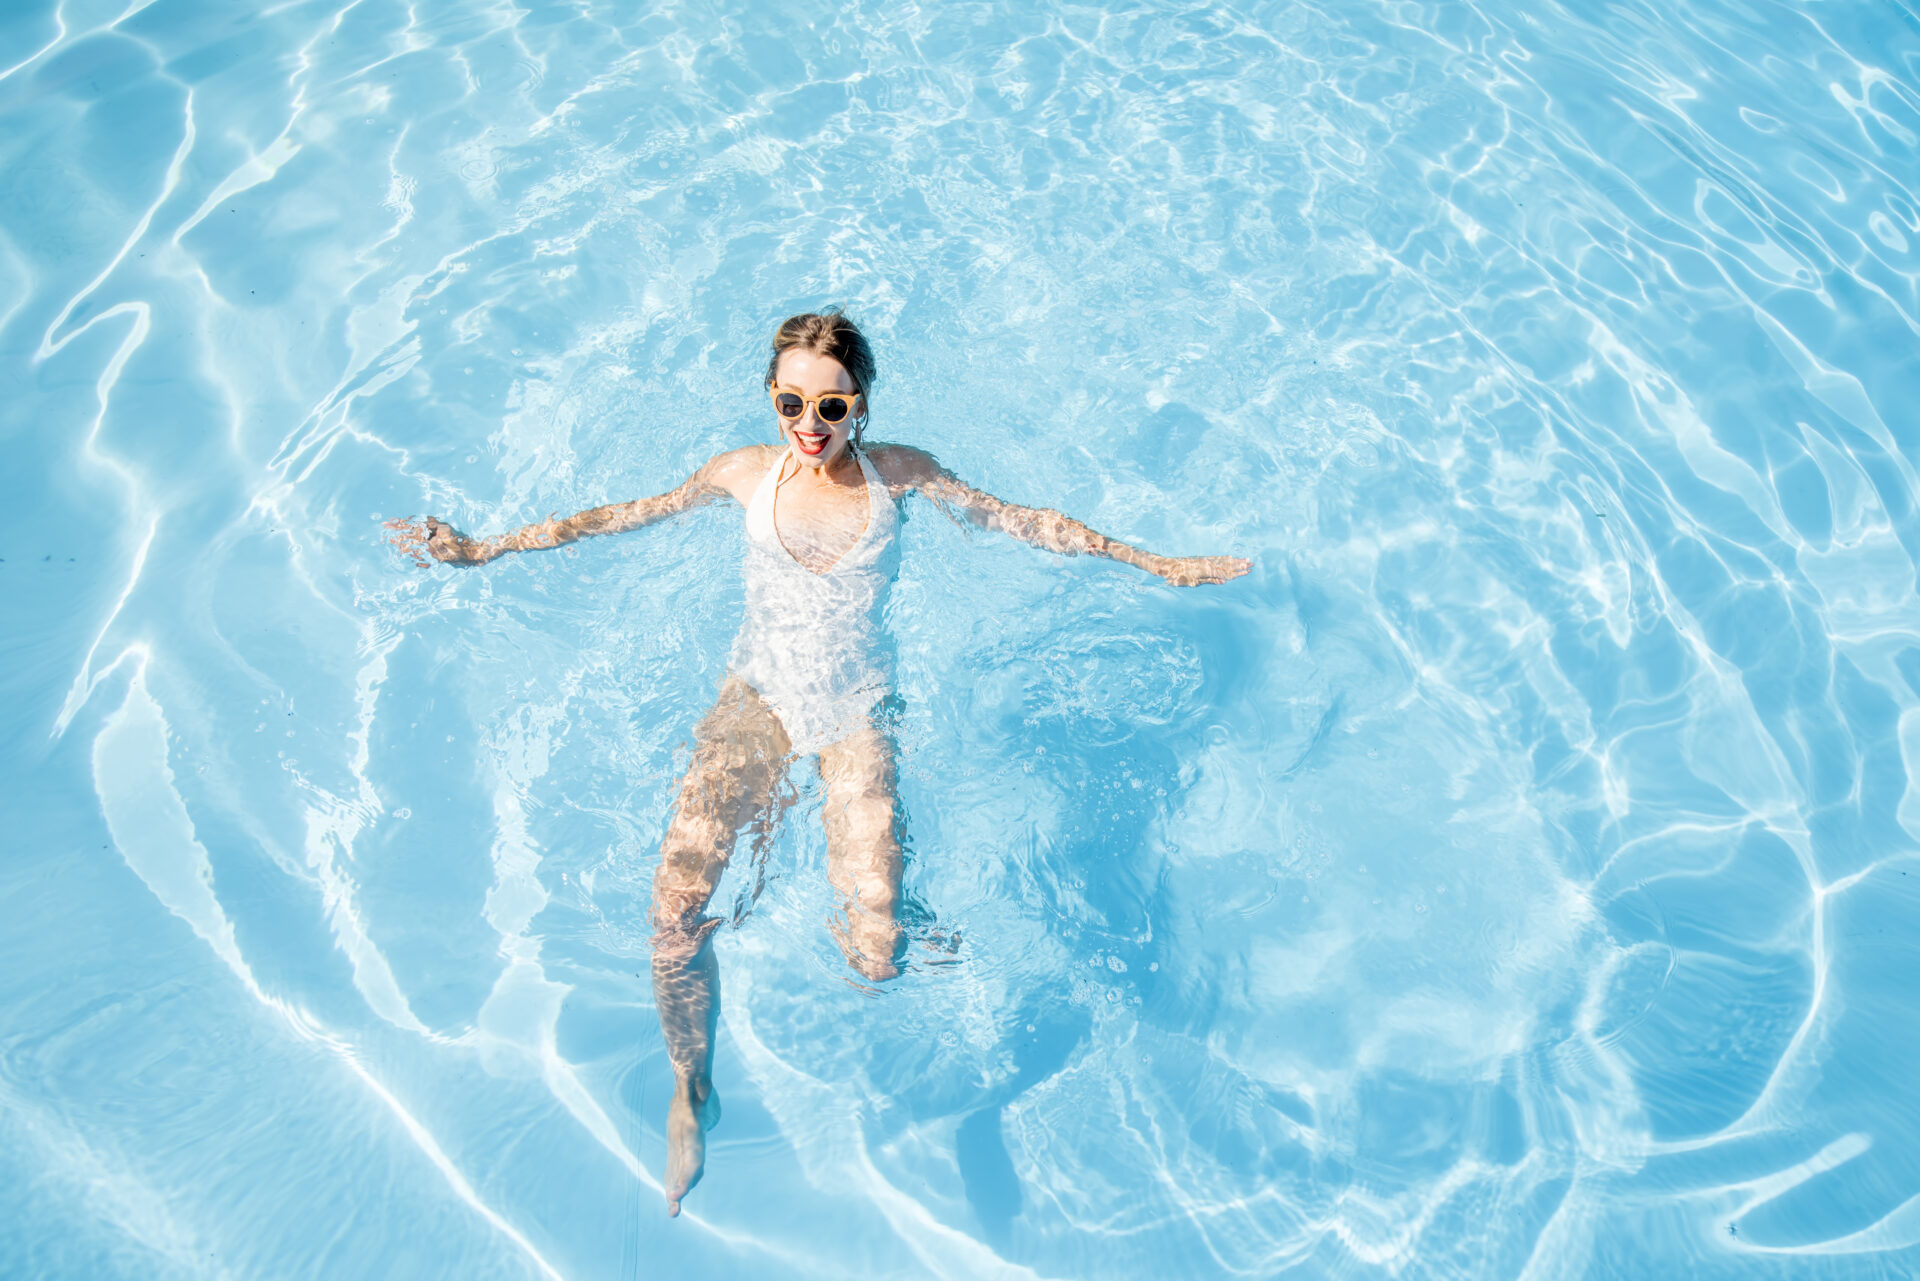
(1513, 877)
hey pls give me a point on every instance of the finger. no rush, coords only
(408, 546)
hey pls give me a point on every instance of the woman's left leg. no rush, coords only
(863, 849)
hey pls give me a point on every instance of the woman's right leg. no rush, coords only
(739, 756)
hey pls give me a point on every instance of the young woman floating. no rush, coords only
(808, 673)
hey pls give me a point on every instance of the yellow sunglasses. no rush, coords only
(828, 407)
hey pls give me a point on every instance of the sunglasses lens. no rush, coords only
(789, 406)
(832, 409)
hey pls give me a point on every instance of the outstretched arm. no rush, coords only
(446, 544)
(1044, 527)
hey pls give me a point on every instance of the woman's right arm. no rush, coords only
(451, 547)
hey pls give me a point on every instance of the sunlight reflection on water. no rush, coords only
(1509, 879)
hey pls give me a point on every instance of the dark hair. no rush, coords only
(826, 333)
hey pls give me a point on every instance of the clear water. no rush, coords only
(1513, 877)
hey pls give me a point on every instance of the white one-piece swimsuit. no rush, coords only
(811, 643)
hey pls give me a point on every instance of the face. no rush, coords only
(812, 442)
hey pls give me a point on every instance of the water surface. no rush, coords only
(1512, 877)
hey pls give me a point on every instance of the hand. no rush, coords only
(1191, 571)
(437, 539)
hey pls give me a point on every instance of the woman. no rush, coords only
(808, 673)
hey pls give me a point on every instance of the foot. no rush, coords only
(694, 1111)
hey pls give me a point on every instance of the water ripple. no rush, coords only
(1513, 878)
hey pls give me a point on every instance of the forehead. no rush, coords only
(811, 373)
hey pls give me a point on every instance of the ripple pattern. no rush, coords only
(1512, 878)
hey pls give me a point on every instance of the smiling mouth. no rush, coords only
(811, 443)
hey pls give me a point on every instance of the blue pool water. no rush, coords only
(1513, 877)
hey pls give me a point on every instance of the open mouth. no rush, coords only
(811, 443)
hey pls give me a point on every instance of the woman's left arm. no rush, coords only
(1042, 526)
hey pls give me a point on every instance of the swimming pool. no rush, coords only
(1510, 878)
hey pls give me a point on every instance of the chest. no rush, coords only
(818, 525)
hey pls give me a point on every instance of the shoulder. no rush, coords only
(903, 466)
(738, 470)
(747, 457)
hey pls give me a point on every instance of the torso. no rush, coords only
(818, 523)
(816, 583)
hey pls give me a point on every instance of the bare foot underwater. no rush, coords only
(695, 1110)
(808, 676)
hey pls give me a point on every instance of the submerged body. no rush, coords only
(809, 674)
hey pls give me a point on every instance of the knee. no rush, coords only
(682, 888)
(871, 943)
(875, 898)
(673, 922)
(874, 969)
(679, 934)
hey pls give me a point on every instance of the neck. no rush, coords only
(843, 470)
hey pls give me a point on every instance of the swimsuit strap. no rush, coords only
(760, 506)
(873, 482)
(881, 516)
